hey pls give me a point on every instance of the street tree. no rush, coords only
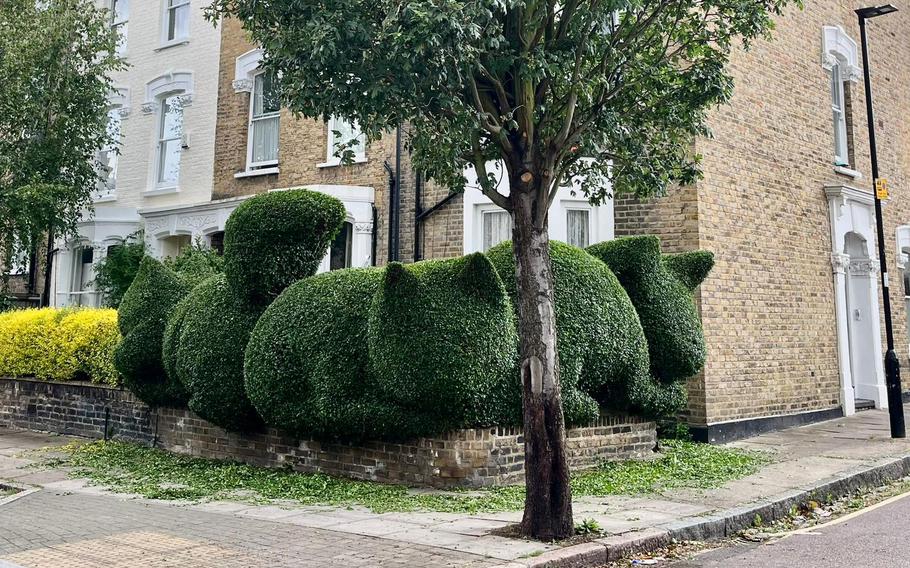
(605, 95)
(56, 58)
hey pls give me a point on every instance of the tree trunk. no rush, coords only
(548, 496)
(48, 267)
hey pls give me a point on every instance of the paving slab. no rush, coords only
(69, 520)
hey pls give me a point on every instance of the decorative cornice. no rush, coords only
(840, 262)
(148, 108)
(862, 267)
(242, 85)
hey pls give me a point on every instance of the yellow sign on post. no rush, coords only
(881, 189)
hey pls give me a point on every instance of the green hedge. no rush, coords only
(274, 239)
(600, 341)
(205, 347)
(271, 241)
(307, 365)
(442, 340)
(664, 301)
(143, 315)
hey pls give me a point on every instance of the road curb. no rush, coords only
(718, 525)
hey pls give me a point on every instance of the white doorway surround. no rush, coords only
(859, 340)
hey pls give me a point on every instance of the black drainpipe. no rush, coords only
(375, 233)
(418, 209)
(422, 214)
(395, 199)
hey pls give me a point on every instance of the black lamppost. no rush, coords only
(892, 365)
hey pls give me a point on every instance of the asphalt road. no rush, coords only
(874, 537)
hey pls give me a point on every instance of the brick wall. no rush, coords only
(768, 307)
(466, 458)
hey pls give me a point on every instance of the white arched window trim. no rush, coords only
(840, 59)
(168, 84)
(245, 68)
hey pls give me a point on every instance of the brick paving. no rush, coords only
(50, 529)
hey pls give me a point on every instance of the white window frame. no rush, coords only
(333, 160)
(251, 165)
(839, 116)
(160, 143)
(569, 206)
(170, 10)
(105, 192)
(482, 212)
(840, 57)
(120, 24)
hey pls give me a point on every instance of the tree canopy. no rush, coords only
(56, 58)
(626, 82)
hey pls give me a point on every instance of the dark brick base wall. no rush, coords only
(466, 458)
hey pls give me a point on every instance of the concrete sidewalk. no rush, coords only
(67, 519)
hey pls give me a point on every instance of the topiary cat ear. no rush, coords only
(478, 277)
(690, 267)
(398, 281)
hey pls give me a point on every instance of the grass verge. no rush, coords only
(158, 474)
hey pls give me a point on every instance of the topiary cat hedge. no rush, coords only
(271, 241)
(205, 351)
(388, 353)
(420, 349)
(600, 341)
(660, 287)
(142, 318)
(307, 366)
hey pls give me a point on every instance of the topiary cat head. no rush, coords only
(661, 289)
(274, 239)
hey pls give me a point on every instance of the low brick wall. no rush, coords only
(466, 458)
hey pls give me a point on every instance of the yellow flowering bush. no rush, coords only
(60, 344)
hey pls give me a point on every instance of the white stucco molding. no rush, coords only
(837, 46)
(119, 98)
(166, 84)
(244, 69)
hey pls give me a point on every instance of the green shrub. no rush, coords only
(115, 272)
(600, 341)
(663, 299)
(196, 263)
(307, 366)
(59, 344)
(205, 348)
(274, 239)
(442, 340)
(143, 315)
(271, 241)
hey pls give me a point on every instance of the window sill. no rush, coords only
(170, 44)
(333, 163)
(845, 171)
(105, 198)
(161, 191)
(255, 173)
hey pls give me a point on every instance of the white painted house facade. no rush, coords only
(163, 112)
